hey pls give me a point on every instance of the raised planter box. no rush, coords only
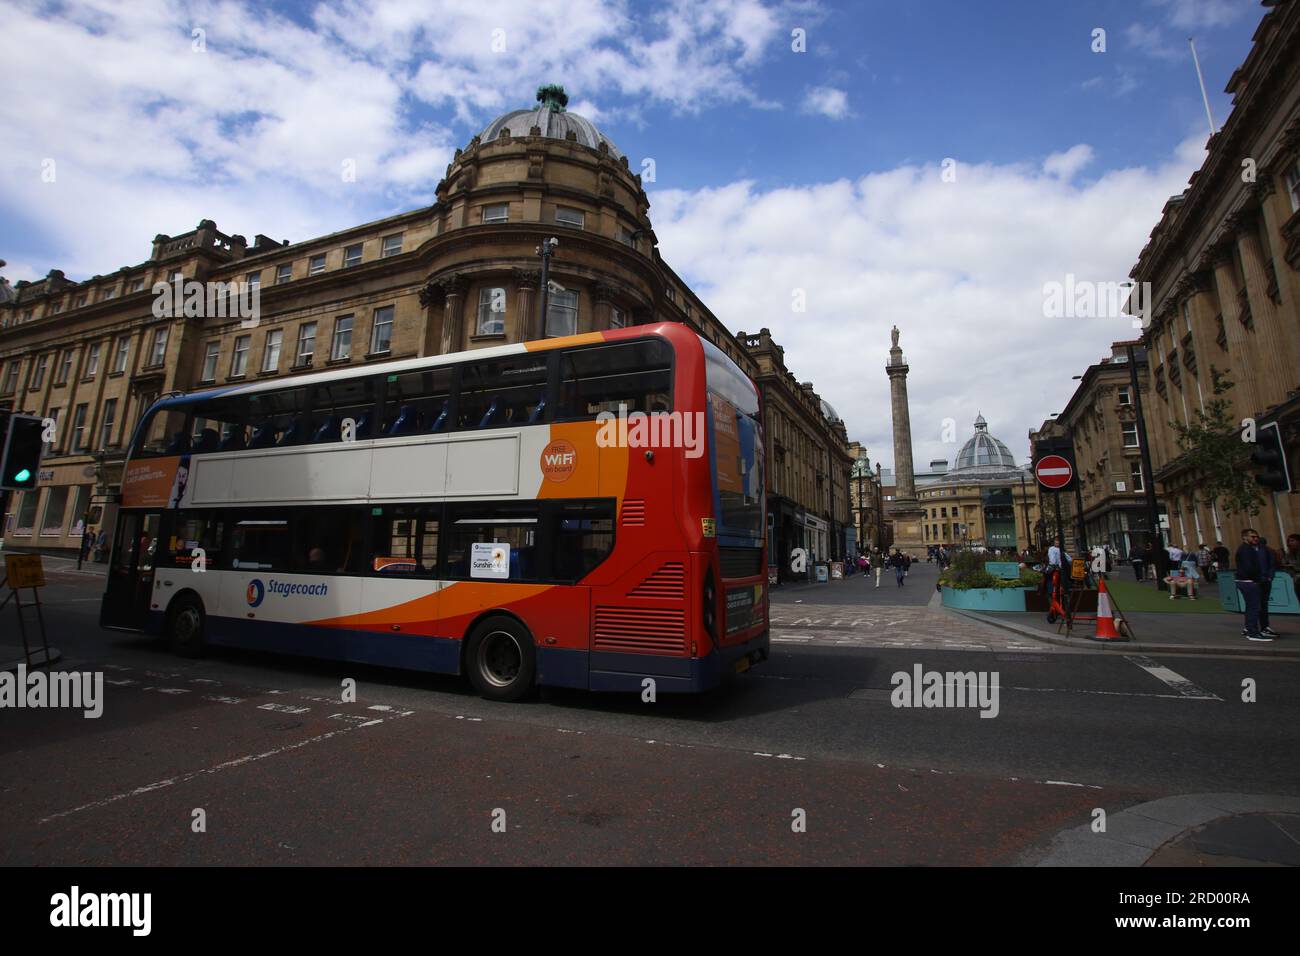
(985, 599)
(1281, 597)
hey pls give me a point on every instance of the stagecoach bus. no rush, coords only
(585, 512)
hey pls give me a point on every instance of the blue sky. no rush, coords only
(776, 172)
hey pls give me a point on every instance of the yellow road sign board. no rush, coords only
(24, 571)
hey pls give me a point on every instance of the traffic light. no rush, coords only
(1269, 459)
(21, 459)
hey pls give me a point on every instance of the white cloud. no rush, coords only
(254, 130)
(1065, 165)
(826, 101)
(959, 267)
(1198, 14)
(1153, 41)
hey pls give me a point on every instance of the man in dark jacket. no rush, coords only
(1254, 576)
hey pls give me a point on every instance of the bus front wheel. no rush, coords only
(185, 627)
(501, 659)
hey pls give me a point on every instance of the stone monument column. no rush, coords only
(904, 511)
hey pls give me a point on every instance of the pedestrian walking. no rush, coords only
(879, 566)
(1205, 561)
(1255, 565)
(899, 564)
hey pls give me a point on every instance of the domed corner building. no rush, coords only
(985, 499)
(530, 175)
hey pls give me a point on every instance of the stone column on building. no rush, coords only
(603, 293)
(904, 510)
(1275, 372)
(527, 282)
(1240, 345)
(453, 311)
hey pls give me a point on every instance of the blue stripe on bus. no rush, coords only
(440, 655)
(557, 667)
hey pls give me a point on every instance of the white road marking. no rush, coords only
(185, 778)
(218, 699)
(284, 708)
(1178, 682)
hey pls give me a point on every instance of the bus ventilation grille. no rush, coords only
(640, 630)
(668, 582)
(634, 513)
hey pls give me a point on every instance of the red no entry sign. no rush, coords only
(1053, 471)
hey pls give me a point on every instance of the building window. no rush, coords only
(271, 350)
(79, 427)
(79, 301)
(11, 377)
(253, 280)
(283, 273)
(566, 216)
(137, 285)
(491, 311)
(341, 347)
(239, 358)
(210, 353)
(64, 369)
(497, 212)
(392, 245)
(107, 294)
(306, 343)
(92, 359)
(123, 351)
(56, 308)
(315, 265)
(617, 318)
(381, 335)
(627, 238)
(1136, 472)
(38, 373)
(1124, 397)
(1293, 185)
(106, 426)
(352, 256)
(158, 346)
(1130, 434)
(562, 313)
(56, 503)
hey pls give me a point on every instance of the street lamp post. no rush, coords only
(545, 250)
(1149, 478)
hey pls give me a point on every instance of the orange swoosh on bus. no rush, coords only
(451, 601)
(586, 338)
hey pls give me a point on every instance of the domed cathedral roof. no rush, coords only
(554, 121)
(982, 455)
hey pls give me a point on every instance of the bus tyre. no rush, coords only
(501, 659)
(185, 627)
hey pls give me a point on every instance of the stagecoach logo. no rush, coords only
(559, 460)
(256, 591)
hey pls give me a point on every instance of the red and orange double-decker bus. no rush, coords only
(583, 512)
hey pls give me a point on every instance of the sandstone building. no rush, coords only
(1224, 267)
(462, 273)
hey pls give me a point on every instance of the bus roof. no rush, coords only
(665, 329)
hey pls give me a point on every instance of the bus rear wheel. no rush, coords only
(501, 659)
(185, 627)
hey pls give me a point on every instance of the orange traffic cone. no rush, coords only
(1105, 617)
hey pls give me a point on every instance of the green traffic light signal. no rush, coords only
(21, 446)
